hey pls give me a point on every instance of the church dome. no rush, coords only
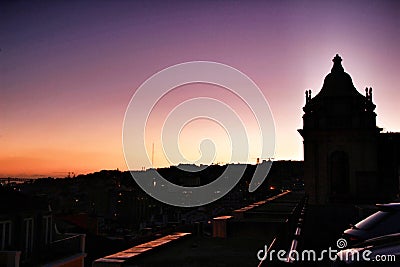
(339, 104)
(338, 82)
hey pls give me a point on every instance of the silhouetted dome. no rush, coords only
(338, 82)
(339, 104)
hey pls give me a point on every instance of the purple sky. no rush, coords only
(69, 69)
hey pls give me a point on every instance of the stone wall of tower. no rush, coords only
(361, 150)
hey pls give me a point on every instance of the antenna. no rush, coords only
(152, 156)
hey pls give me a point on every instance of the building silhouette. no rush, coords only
(28, 236)
(346, 157)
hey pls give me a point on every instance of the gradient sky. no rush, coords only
(69, 68)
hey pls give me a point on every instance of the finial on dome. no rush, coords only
(337, 64)
(337, 59)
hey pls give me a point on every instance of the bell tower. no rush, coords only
(340, 141)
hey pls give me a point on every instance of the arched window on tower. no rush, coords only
(339, 174)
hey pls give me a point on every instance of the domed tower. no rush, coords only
(340, 141)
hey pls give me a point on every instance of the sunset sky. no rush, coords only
(68, 69)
